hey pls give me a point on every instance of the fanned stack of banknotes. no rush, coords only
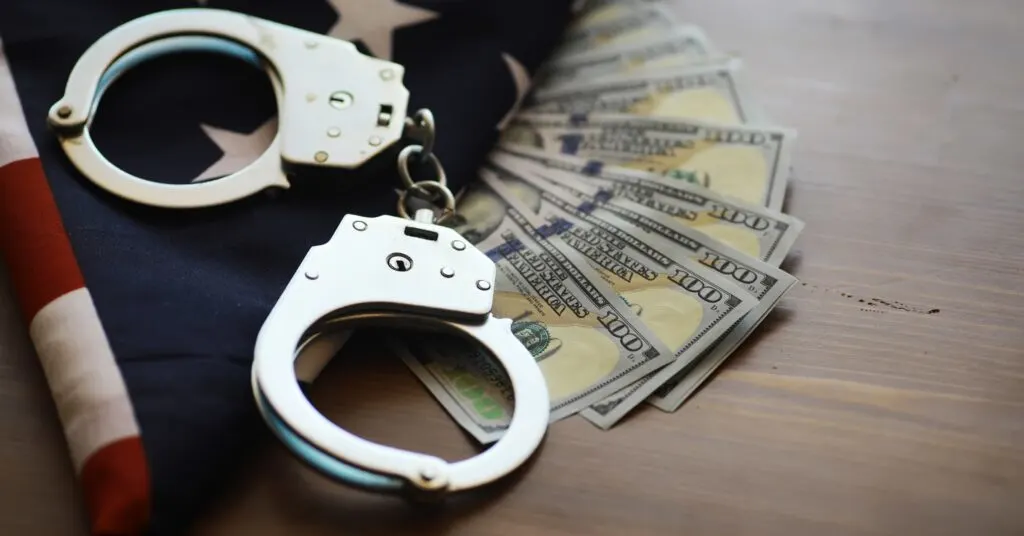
(633, 210)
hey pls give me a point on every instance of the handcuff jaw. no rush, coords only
(442, 282)
(337, 107)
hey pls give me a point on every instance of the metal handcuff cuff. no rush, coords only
(337, 109)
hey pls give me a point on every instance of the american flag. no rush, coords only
(145, 318)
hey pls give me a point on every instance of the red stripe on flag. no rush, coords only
(33, 242)
(115, 480)
(42, 267)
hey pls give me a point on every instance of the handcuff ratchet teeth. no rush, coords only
(337, 107)
(411, 273)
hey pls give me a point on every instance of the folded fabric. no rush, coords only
(144, 319)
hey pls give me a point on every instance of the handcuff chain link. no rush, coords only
(421, 128)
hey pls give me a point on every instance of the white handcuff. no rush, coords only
(337, 109)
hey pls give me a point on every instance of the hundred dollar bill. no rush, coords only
(709, 92)
(687, 304)
(757, 231)
(591, 12)
(749, 163)
(469, 384)
(587, 341)
(611, 29)
(688, 309)
(767, 283)
(680, 46)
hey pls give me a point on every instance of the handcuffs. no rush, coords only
(337, 109)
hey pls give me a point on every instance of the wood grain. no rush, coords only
(884, 396)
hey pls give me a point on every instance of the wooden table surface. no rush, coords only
(884, 396)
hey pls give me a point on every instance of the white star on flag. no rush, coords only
(239, 149)
(373, 23)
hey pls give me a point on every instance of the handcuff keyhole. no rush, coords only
(341, 99)
(400, 262)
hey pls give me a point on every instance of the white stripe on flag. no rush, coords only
(15, 139)
(90, 394)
